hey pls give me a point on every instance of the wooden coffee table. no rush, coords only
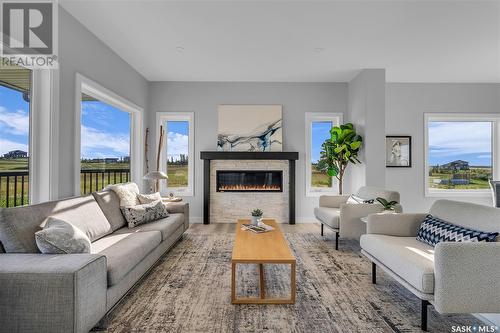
(265, 248)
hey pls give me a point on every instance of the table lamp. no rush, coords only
(156, 176)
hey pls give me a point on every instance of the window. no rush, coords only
(105, 145)
(460, 154)
(109, 139)
(178, 152)
(15, 95)
(318, 127)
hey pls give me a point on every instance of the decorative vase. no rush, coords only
(256, 220)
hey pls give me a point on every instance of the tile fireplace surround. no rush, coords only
(228, 206)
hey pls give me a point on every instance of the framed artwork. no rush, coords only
(398, 151)
(250, 128)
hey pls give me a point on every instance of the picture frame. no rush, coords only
(398, 151)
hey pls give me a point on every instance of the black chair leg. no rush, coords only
(322, 229)
(337, 240)
(374, 273)
(423, 315)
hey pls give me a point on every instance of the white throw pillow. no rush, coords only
(127, 193)
(149, 198)
(59, 237)
(354, 199)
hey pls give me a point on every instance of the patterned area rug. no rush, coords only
(189, 291)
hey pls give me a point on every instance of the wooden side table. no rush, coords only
(169, 199)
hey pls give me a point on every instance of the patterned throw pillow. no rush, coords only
(140, 214)
(59, 237)
(354, 199)
(149, 198)
(434, 230)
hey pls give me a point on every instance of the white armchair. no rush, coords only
(344, 219)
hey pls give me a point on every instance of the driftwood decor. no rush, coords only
(158, 154)
(146, 149)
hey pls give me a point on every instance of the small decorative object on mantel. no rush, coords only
(398, 151)
(389, 206)
(256, 216)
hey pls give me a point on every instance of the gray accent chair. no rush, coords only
(455, 277)
(74, 292)
(344, 219)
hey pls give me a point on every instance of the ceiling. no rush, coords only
(299, 41)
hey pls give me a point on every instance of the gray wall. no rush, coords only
(81, 52)
(203, 97)
(367, 113)
(406, 104)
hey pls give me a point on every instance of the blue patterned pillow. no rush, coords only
(434, 230)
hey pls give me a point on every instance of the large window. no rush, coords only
(318, 126)
(109, 138)
(178, 153)
(460, 154)
(15, 95)
(105, 145)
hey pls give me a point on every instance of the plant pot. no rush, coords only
(256, 220)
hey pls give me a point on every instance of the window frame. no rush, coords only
(162, 117)
(461, 117)
(91, 88)
(336, 118)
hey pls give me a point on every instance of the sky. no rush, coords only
(14, 121)
(320, 132)
(177, 138)
(468, 141)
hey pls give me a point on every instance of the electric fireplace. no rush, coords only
(249, 180)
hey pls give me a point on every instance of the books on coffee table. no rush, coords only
(258, 229)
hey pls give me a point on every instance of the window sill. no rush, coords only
(458, 193)
(316, 194)
(178, 192)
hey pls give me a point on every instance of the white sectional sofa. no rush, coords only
(74, 292)
(455, 277)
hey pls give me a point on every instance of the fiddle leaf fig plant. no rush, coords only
(341, 149)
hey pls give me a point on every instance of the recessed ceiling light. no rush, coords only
(318, 49)
(179, 48)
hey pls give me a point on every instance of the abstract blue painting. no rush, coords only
(250, 128)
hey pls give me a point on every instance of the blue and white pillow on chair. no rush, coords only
(434, 230)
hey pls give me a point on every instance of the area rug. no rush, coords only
(189, 291)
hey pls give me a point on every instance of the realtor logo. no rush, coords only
(29, 36)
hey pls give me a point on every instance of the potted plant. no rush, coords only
(389, 206)
(341, 149)
(256, 216)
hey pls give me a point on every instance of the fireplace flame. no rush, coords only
(249, 188)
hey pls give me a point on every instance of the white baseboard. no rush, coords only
(199, 219)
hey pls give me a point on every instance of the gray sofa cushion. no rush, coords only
(110, 205)
(124, 251)
(166, 226)
(59, 237)
(414, 261)
(329, 216)
(19, 224)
